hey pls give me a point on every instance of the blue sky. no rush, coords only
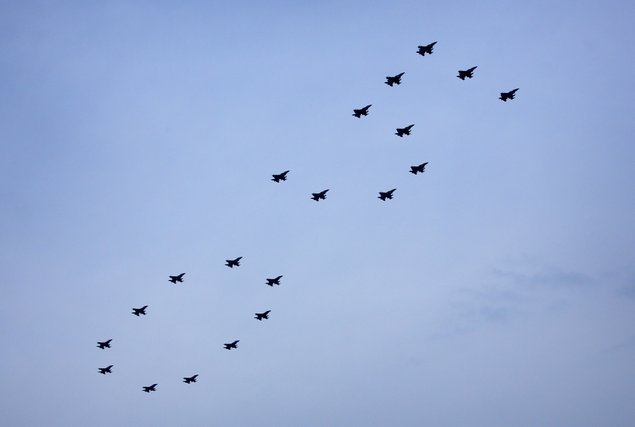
(138, 142)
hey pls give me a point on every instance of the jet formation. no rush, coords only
(383, 195)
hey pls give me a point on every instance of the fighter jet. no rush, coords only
(231, 263)
(403, 131)
(138, 311)
(104, 344)
(466, 73)
(106, 370)
(508, 95)
(426, 49)
(418, 169)
(320, 195)
(188, 380)
(231, 345)
(175, 279)
(362, 111)
(395, 80)
(386, 194)
(280, 177)
(274, 281)
(264, 315)
(150, 388)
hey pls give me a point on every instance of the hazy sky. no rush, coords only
(138, 141)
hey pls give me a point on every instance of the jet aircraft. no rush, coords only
(178, 278)
(386, 194)
(362, 111)
(264, 315)
(191, 379)
(150, 388)
(106, 370)
(231, 263)
(280, 177)
(104, 344)
(320, 195)
(508, 95)
(394, 80)
(231, 345)
(418, 169)
(274, 281)
(426, 49)
(403, 131)
(466, 73)
(138, 311)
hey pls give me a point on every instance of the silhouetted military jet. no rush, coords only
(395, 80)
(150, 388)
(274, 281)
(280, 177)
(403, 131)
(418, 169)
(104, 344)
(191, 379)
(231, 263)
(264, 315)
(178, 278)
(106, 370)
(508, 95)
(320, 195)
(386, 194)
(362, 111)
(231, 345)
(466, 73)
(138, 311)
(426, 49)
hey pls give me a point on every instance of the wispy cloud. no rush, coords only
(546, 276)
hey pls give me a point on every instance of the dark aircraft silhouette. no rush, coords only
(264, 315)
(191, 379)
(426, 49)
(418, 169)
(508, 95)
(150, 388)
(104, 344)
(403, 131)
(275, 281)
(138, 311)
(466, 73)
(320, 195)
(106, 370)
(386, 194)
(231, 345)
(178, 278)
(280, 177)
(231, 263)
(395, 80)
(362, 111)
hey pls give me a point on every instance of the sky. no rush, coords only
(138, 141)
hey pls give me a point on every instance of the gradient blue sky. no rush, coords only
(138, 140)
